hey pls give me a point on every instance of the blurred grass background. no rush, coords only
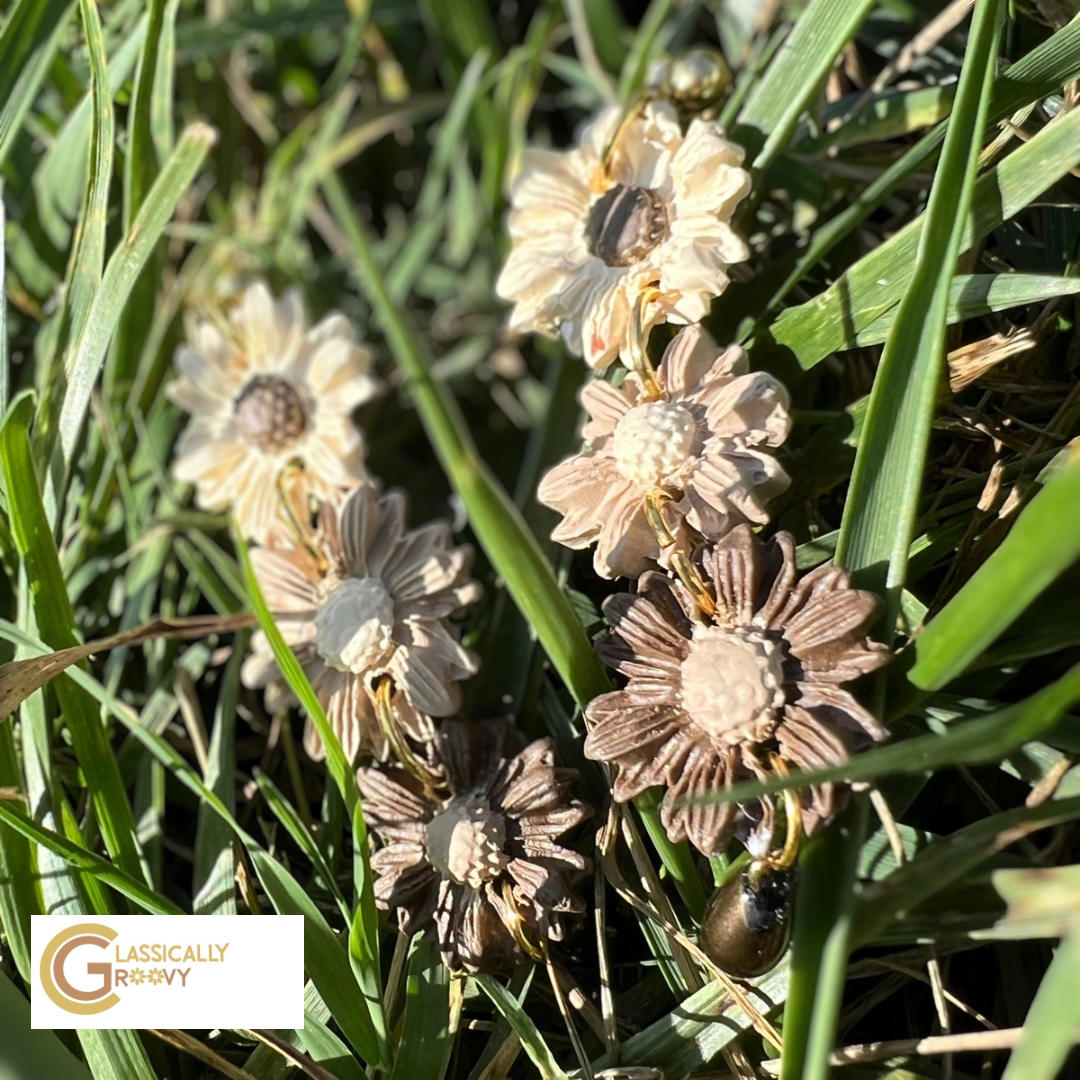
(914, 280)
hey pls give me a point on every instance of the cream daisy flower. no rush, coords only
(265, 390)
(700, 438)
(370, 598)
(587, 244)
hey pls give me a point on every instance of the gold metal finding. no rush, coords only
(629, 113)
(300, 528)
(384, 711)
(792, 821)
(682, 566)
(637, 344)
(514, 923)
(654, 502)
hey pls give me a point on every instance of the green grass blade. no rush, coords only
(27, 46)
(492, 514)
(338, 766)
(808, 333)
(85, 860)
(820, 943)
(1042, 544)
(948, 860)
(423, 1051)
(19, 897)
(87, 259)
(33, 538)
(124, 267)
(882, 503)
(795, 77)
(1051, 1027)
(32, 1052)
(284, 811)
(325, 959)
(214, 877)
(524, 1028)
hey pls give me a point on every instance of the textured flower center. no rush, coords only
(270, 413)
(625, 224)
(732, 683)
(354, 624)
(465, 842)
(652, 441)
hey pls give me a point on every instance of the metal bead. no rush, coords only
(747, 923)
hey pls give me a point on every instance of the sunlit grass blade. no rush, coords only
(1052, 1026)
(19, 897)
(1042, 544)
(820, 945)
(85, 860)
(531, 1039)
(84, 364)
(34, 540)
(795, 77)
(325, 959)
(808, 333)
(886, 482)
(948, 860)
(423, 1051)
(28, 44)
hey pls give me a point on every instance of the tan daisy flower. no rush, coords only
(586, 244)
(482, 857)
(370, 598)
(702, 443)
(265, 390)
(710, 700)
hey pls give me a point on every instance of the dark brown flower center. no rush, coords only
(625, 224)
(270, 413)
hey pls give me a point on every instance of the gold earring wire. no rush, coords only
(514, 925)
(384, 711)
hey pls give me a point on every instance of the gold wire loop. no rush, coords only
(300, 529)
(654, 502)
(682, 566)
(637, 344)
(384, 711)
(792, 821)
(514, 923)
(630, 112)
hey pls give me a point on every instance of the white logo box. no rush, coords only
(176, 971)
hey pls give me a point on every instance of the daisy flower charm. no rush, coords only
(267, 391)
(591, 235)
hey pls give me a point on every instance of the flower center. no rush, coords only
(270, 413)
(625, 224)
(465, 842)
(354, 624)
(652, 441)
(732, 683)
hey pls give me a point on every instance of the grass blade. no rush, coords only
(795, 77)
(27, 46)
(1050, 1029)
(879, 515)
(524, 1028)
(1042, 544)
(34, 541)
(424, 1049)
(123, 269)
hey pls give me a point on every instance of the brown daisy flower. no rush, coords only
(713, 699)
(700, 438)
(367, 598)
(478, 862)
(267, 391)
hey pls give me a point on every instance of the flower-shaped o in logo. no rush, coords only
(136, 976)
(155, 975)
